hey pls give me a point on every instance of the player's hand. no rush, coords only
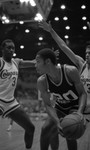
(81, 116)
(78, 113)
(46, 26)
(57, 53)
(88, 24)
(33, 61)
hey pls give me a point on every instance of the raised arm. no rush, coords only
(77, 60)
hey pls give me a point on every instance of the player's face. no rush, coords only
(88, 55)
(40, 65)
(8, 50)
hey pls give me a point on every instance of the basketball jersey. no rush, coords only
(65, 92)
(8, 81)
(85, 78)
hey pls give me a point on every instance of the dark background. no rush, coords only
(78, 38)
(26, 90)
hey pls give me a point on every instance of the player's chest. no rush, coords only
(8, 71)
(85, 76)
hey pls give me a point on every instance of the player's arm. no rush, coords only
(77, 60)
(25, 63)
(42, 87)
(74, 78)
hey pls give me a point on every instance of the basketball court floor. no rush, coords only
(13, 140)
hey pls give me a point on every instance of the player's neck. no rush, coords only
(8, 60)
(55, 74)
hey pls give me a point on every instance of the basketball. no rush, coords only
(73, 126)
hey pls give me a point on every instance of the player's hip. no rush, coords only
(7, 106)
(63, 111)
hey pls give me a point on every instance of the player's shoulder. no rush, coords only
(42, 78)
(17, 60)
(80, 58)
(41, 83)
(2, 62)
(72, 73)
(71, 70)
(80, 62)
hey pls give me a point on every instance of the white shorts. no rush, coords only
(8, 106)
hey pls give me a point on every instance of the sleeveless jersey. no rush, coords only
(65, 93)
(8, 81)
(85, 78)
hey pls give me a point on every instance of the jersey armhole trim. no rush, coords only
(66, 75)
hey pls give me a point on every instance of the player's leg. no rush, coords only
(44, 136)
(71, 144)
(54, 137)
(21, 118)
(49, 136)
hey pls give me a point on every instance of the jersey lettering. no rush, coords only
(5, 74)
(88, 87)
(70, 95)
(66, 97)
(14, 81)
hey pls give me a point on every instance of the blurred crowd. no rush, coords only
(26, 91)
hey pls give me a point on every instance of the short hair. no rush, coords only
(3, 44)
(47, 53)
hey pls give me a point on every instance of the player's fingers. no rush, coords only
(56, 52)
(40, 24)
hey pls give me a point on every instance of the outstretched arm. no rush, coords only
(77, 60)
(30, 63)
(25, 63)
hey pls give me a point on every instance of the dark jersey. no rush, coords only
(65, 92)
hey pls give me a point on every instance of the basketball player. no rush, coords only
(64, 82)
(8, 81)
(83, 66)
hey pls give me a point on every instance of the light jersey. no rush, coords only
(65, 92)
(8, 82)
(85, 78)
